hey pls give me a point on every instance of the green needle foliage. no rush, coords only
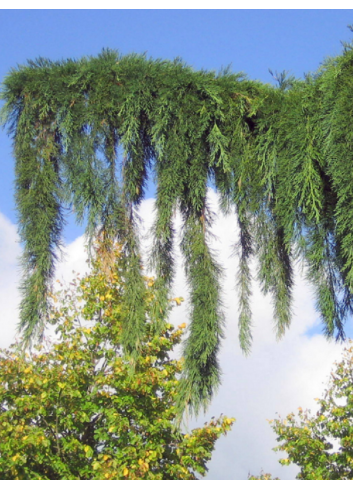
(88, 133)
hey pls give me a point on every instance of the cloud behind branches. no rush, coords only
(276, 377)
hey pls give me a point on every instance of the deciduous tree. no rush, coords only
(79, 409)
(322, 444)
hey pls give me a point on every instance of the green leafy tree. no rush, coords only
(78, 409)
(262, 477)
(322, 444)
(279, 156)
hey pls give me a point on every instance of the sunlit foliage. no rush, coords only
(80, 410)
(88, 133)
(322, 444)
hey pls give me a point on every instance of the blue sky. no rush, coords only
(251, 41)
(276, 377)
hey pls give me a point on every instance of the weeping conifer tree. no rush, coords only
(280, 157)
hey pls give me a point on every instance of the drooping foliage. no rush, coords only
(87, 134)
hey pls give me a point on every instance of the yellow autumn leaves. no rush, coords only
(94, 417)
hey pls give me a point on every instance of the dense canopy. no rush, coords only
(87, 134)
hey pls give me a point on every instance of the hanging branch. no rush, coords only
(201, 367)
(40, 226)
(244, 249)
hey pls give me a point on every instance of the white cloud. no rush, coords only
(276, 377)
(9, 279)
(75, 260)
(10, 274)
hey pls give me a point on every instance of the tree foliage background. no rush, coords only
(79, 410)
(280, 158)
(321, 444)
